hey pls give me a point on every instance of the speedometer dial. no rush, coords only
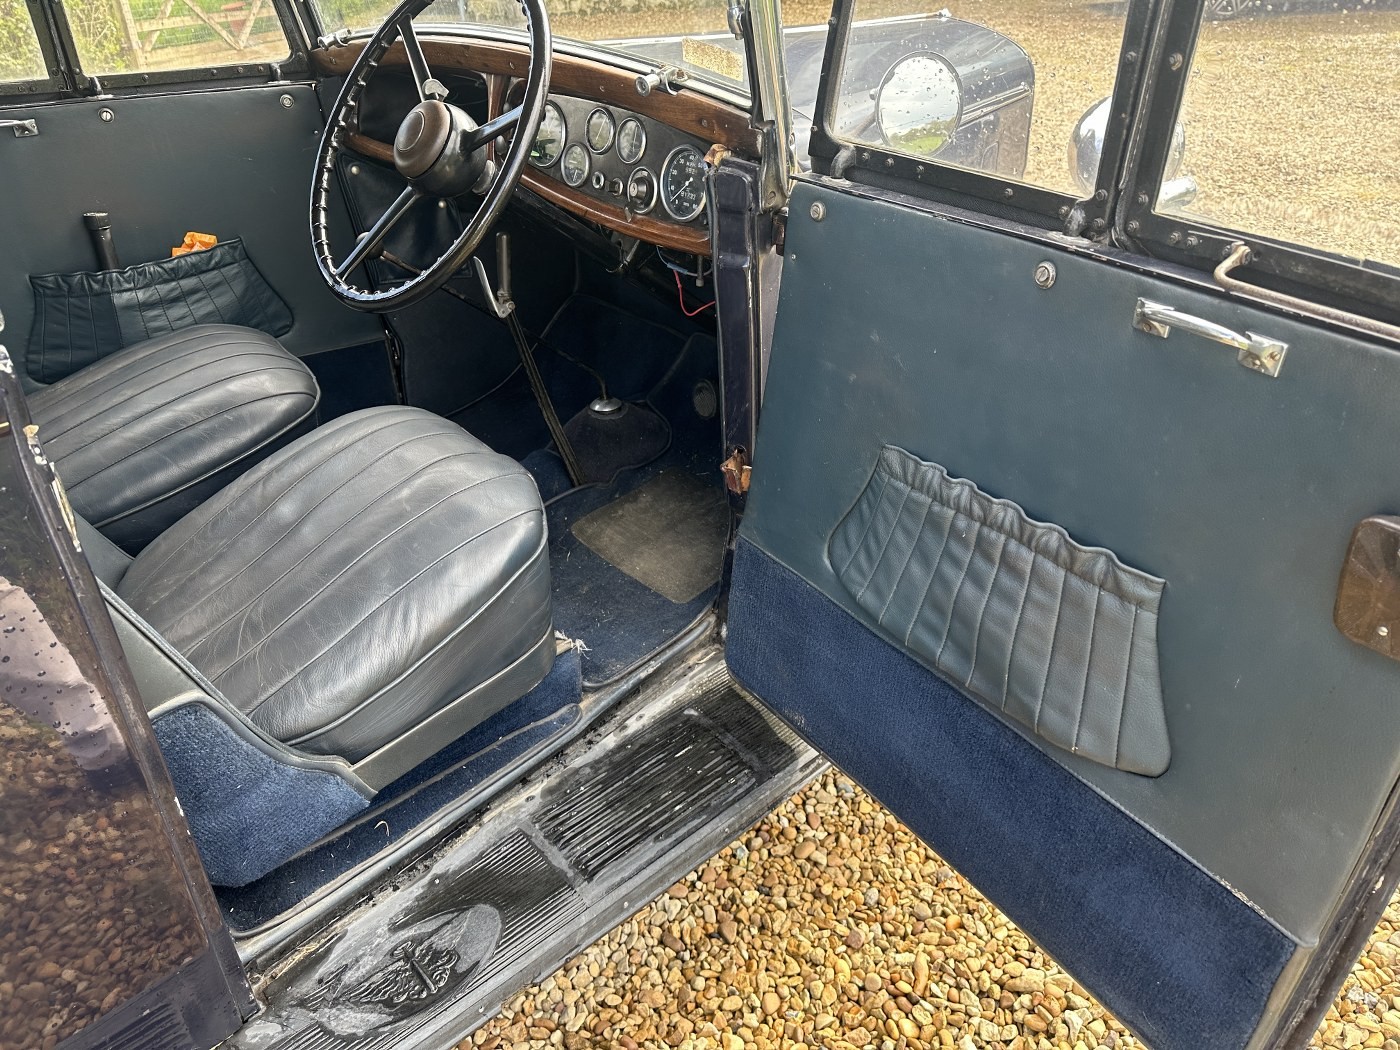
(683, 184)
(549, 140)
(600, 130)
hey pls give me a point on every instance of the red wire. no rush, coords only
(680, 291)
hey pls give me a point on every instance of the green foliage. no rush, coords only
(20, 58)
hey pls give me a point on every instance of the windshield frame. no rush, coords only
(597, 51)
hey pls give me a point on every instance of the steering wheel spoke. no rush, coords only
(495, 128)
(428, 85)
(368, 246)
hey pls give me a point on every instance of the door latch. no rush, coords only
(23, 129)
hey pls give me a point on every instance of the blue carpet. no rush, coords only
(247, 811)
(543, 714)
(1173, 953)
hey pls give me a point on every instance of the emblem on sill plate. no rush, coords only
(409, 970)
(418, 972)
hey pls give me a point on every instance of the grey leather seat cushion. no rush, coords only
(356, 582)
(142, 437)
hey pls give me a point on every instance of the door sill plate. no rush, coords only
(659, 786)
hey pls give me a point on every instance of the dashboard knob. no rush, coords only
(615, 187)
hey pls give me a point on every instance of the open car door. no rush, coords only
(1105, 610)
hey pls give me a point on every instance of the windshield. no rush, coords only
(689, 34)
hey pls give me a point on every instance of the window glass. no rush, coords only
(690, 35)
(136, 36)
(1292, 123)
(20, 58)
(998, 86)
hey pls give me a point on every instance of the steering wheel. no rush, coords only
(439, 150)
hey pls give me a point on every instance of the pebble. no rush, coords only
(891, 950)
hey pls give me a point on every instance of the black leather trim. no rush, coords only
(84, 317)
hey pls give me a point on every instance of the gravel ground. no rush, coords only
(830, 925)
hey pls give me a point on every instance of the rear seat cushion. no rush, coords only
(144, 436)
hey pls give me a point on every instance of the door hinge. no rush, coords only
(736, 471)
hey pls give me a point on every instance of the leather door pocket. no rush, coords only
(80, 318)
(1060, 637)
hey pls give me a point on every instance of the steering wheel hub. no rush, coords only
(422, 137)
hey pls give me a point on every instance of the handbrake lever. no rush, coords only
(500, 300)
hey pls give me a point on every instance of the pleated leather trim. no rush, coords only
(1056, 635)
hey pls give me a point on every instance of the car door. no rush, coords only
(186, 116)
(1103, 608)
(113, 937)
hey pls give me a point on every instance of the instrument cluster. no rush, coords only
(627, 160)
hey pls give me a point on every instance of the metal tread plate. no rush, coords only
(662, 784)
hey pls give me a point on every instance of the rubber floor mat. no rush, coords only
(668, 535)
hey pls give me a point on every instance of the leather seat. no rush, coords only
(370, 592)
(142, 437)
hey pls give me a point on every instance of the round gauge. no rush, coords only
(600, 130)
(641, 191)
(683, 184)
(631, 140)
(574, 167)
(549, 140)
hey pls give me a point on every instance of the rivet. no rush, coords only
(442, 204)
(1134, 226)
(1008, 192)
(287, 101)
(1101, 195)
(1044, 274)
(889, 162)
(1174, 60)
(105, 115)
(817, 211)
(1142, 200)
(1383, 631)
(354, 169)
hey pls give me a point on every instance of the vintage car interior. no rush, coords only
(441, 598)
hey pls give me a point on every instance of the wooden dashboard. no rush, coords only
(703, 119)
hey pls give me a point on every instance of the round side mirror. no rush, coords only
(1086, 147)
(919, 104)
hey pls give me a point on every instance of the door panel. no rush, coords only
(234, 162)
(1178, 898)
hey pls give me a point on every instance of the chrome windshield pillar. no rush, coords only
(773, 115)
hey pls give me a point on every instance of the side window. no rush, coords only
(1290, 122)
(1003, 89)
(136, 36)
(20, 57)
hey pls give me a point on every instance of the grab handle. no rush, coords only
(23, 129)
(1258, 353)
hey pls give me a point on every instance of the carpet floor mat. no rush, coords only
(615, 614)
(668, 535)
(528, 725)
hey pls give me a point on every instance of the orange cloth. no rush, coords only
(194, 242)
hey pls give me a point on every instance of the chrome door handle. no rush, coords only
(1257, 352)
(23, 129)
